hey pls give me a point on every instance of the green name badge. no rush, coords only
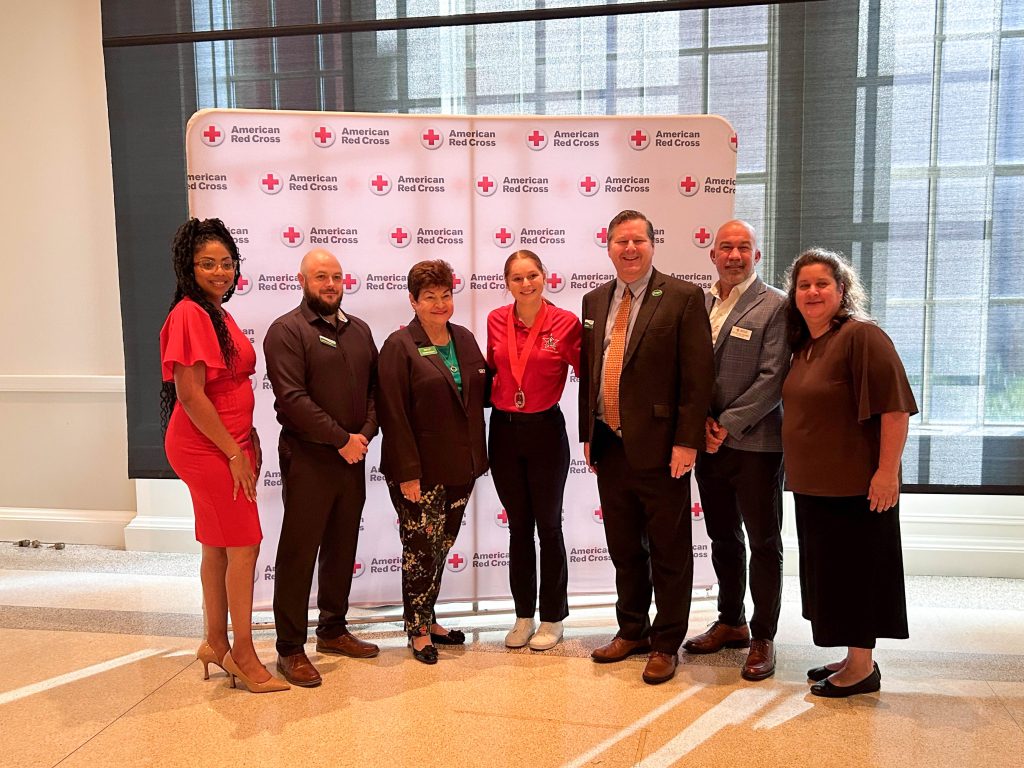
(328, 342)
(426, 351)
(657, 292)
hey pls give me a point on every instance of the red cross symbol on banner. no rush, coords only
(456, 562)
(601, 236)
(502, 519)
(688, 186)
(380, 185)
(639, 140)
(457, 283)
(212, 136)
(537, 140)
(702, 237)
(598, 515)
(357, 568)
(697, 511)
(350, 282)
(588, 186)
(431, 139)
(503, 237)
(323, 136)
(555, 283)
(400, 238)
(485, 186)
(271, 184)
(292, 237)
(734, 142)
(243, 285)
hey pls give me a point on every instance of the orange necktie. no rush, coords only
(613, 364)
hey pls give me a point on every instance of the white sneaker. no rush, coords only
(548, 635)
(520, 633)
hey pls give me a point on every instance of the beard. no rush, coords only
(321, 307)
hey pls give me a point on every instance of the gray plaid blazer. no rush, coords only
(750, 369)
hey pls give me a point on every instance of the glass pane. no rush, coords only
(505, 58)
(750, 208)
(739, 26)
(574, 55)
(911, 104)
(1007, 226)
(1010, 122)
(968, 16)
(905, 323)
(1013, 14)
(964, 102)
(960, 236)
(738, 92)
(1004, 369)
(956, 353)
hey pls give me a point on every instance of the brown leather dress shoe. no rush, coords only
(661, 667)
(760, 661)
(718, 636)
(618, 649)
(347, 645)
(297, 669)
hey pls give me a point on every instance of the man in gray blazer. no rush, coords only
(739, 475)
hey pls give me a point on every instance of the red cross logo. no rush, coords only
(555, 282)
(457, 283)
(639, 140)
(501, 519)
(702, 237)
(323, 136)
(601, 237)
(243, 286)
(485, 186)
(455, 563)
(350, 282)
(503, 238)
(598, 516)
(537, 140)
(213, 136)
(588, 186)
(271, 184)
(734, 142)
(431, 139)
(380, 184)
(292, 237)
(697, 511)
(400, 238)
(358, 569)
(688, 187)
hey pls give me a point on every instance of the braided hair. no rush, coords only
(189, 238)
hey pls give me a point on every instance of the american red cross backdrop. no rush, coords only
(385, 191)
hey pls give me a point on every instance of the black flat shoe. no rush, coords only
(454, 637)
(427, 655)
(829, 690)
(817, 674)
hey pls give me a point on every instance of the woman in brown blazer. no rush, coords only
(432, 388)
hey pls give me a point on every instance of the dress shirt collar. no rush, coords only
(637, 287)
(738, 290)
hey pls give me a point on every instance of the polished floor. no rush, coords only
(98, 664)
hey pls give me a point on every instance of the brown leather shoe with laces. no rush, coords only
(297, 669)
(618, 649)
(718, 636)
(347, 645)
(760, 661)
(661, 667)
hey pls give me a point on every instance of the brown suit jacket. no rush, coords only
(668, 371)
(430, 431)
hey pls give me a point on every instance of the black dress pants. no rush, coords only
(744, 489)
(323, 502)
(650, 541)
(529, 459)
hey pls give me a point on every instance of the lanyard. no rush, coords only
(517, 361)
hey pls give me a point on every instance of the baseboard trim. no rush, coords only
(156, 533)
(60, 383)
(71, 526)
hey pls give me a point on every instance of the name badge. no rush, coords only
(328, 342)
(740, 333)
(656, 292)
(426, 351)
(588, 323)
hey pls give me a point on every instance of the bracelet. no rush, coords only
(232, 458)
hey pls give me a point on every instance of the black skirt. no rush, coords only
(851, 571)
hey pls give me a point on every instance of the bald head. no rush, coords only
(734, 254)
(322, 281)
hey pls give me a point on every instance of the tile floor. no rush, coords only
(98, 670)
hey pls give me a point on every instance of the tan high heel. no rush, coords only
(208, 656)
(273, 684)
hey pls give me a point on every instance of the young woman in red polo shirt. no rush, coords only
(530, 345)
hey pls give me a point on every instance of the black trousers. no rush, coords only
(744, 489)
(529, 458)
(323, 502)
(650, 541)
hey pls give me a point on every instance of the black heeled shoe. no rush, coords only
(817, 674)
(829, 690)
(426, 655)
(454, 637)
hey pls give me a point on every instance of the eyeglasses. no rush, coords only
(209, 265)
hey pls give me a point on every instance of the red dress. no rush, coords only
(188, 338)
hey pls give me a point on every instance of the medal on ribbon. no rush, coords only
(517, 361)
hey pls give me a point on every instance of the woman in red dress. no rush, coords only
(206, 409)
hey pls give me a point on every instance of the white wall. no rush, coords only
(63, 448)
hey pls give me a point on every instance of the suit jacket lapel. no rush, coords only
(419, 336)
(750, 299)
(647, 309)
(602, 300)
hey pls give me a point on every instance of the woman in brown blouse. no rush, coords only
(847, 405)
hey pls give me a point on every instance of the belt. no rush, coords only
(514, 417)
